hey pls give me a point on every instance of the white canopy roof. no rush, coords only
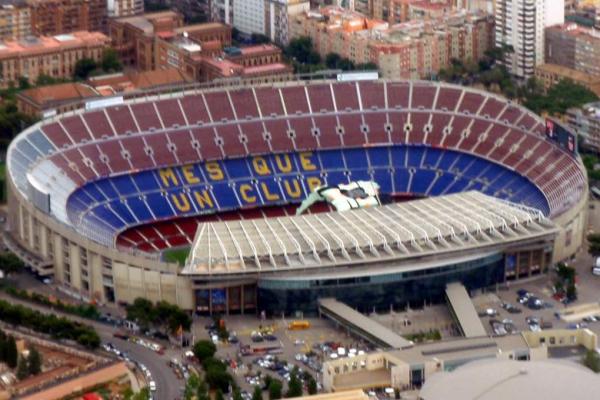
(394, 231)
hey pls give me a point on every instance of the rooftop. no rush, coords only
(42, 44)
(123, 82)
(58, 93)
(363, 323)
(395, 231)
(507, 379)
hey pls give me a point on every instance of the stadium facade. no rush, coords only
(97, 196)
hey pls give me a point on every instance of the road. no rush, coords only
(168, 387)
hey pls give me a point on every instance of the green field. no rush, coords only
(176, 255)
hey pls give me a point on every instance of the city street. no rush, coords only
(167, 384)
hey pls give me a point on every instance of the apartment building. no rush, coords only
(551, 74)
(15, 21)
(277, 18)
(520, 25)
(124, 8)
(574, 47)
(221, 11)
(53, 56)
(53, 17)
(586, 122)
(249, 16)
(411, 50)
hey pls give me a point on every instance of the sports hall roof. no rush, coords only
(401, 230)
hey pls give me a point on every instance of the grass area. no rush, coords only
(176, 255)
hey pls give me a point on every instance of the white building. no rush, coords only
(124, 8)
(277, 18)
(521, 24)
(222, 11)
(249, 16)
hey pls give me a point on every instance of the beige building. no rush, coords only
(54, 56)
(15, 21)
(411, 50)
(551, 74)
(277, 18)
(409, 368)
(124, 8)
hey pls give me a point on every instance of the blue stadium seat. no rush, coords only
(356, 158)
(379, 157)
(415, 156)
(432, 156)
(441, 184)
(159, 205)
(421, 181)
(401, 180)
(140, 208)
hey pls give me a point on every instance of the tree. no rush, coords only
(204, 349)
(84, 67)
(143, 394)
(301, 50)
(592, 360)
(294, 385)
(110, 61)
(332, 60)
(12, 355)
(22, 370)
(218, 378)
(202, 392)
(237, 394)
(312, 386)
(10, 263)
(34, 362)
(219, 395)
(275, 389)
(257, 393)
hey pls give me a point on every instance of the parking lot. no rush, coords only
(305, 349)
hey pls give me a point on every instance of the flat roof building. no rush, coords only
(410, 368)
(47, 100)
(54, 56)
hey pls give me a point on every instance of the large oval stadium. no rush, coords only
(472, 188)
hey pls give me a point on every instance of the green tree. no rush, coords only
(275, 389)
(204, 349)
(592, 360)
(312, 386)
(110, 61)
(202, 393)
(143, 394)
(219, 395)
(84, 67)
(237, 394)
(294, 385)
(12, 355)
(10, 263)
(301, 50)
(34, 361)
(22, 370)
(257, 393)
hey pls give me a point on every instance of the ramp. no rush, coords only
(463, 310)
(361, 325)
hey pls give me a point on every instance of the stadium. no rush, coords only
(191, 197)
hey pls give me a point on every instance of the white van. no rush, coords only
(596, 267)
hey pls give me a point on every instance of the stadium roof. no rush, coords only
(394, 231)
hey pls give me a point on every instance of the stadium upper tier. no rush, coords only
(105, 170)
